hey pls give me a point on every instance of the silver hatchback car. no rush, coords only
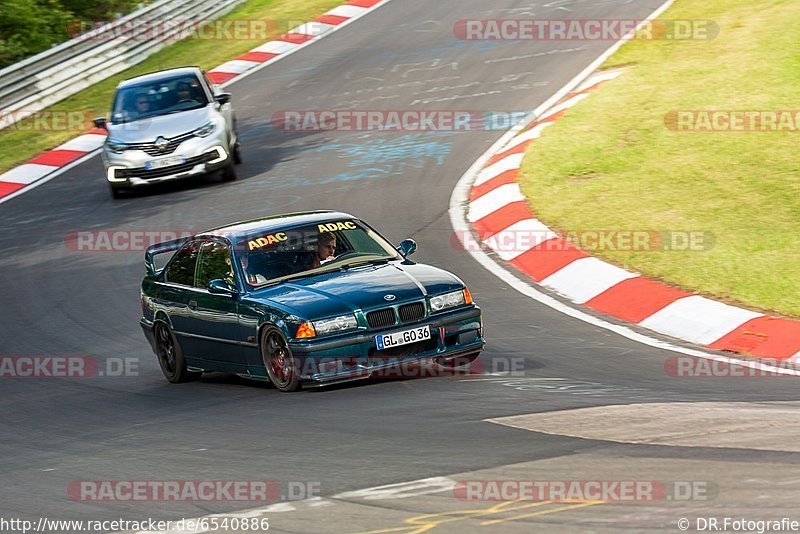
(168, 125)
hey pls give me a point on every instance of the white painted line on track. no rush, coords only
(508, 163)
(26, 173)
(494, 200)
(348, 11)
(519, 238)
(83, 143)
(698, 319)
(585, 278)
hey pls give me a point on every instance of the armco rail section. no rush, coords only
(57, 73)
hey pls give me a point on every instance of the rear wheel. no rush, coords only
(170, 357)
(278, 360)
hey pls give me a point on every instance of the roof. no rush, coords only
(241, 230)
(160, 75)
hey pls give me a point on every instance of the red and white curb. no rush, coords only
(498, 212)
(48, 165)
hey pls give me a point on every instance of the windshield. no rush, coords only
(169, 95)
(338, 244)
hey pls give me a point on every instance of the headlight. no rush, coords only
(337, 324)
(451, 300)
(117, 146)
(205, 129)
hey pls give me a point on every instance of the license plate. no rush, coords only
(396, 339)
(161, 163)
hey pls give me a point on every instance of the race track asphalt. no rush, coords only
(57, 301)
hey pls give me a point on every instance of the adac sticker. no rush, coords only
(334, 226)
(270, 239)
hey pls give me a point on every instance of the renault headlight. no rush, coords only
(205, 129)
(117, 146)
(450, 300)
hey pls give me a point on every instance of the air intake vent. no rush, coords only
(411, 312)
(381, 318)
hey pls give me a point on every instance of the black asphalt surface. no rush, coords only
(56, 301)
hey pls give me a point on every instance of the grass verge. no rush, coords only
(24, 141)
(612, 163)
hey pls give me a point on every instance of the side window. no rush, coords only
(214, 262)
(181, 268)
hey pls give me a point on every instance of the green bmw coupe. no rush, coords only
(302, 299)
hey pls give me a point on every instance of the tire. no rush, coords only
(278, 360)
(237, 152)
(459, 362)
(229, 173)
(170, 357)
(116, 192)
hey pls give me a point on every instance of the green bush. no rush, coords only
(28, 27)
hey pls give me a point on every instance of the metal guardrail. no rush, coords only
(51, 76)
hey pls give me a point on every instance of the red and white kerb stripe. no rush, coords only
(292, 40)
(497, 208)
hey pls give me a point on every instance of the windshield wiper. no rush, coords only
(371, 261)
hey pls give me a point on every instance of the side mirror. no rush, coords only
(222, 98)
(100, 122)
(221, 287)
(407, 247)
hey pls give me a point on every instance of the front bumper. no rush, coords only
(353, 357)
(199, 155)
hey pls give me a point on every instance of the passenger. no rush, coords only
(254, 279)
(142, 104)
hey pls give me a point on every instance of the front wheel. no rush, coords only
(116, 192)
(278, 360)
(237, 152)
(170, 357)
(229, 173)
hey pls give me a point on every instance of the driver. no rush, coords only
(184, 92)
(324, 251)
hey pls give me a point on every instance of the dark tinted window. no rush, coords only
(149, 99)
(181, 268)
(214, 262)
(327, 245)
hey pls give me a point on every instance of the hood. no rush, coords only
(341, 292)
(147, 130)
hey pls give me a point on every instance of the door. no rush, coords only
(215, 321)
(176, 292)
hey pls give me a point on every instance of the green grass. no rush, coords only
(612, 164)
(21, 143)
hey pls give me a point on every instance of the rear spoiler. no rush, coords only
(161, 248)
